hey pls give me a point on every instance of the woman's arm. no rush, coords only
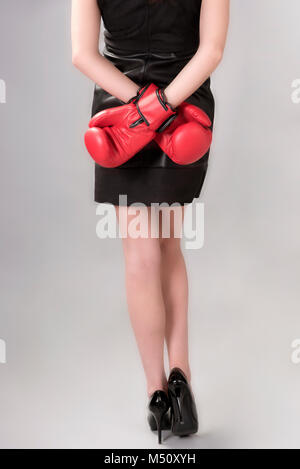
(86, 20)
(214, 21)
(86, 57)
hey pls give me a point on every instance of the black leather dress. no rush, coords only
(151, 41)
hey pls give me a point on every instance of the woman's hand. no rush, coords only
(86, 20)
(214, 21)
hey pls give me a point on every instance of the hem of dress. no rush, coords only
(167, 186)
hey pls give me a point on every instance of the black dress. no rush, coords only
(151, 41)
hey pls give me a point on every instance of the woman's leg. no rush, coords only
(175, 293)
(145, 300)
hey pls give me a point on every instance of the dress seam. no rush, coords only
(157, 167)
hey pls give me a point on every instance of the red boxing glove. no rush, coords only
(117, 134)
(188, 138)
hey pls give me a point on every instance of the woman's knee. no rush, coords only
(142, 258)
(170, 246)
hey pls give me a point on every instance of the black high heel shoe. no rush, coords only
(159, 412)
(184, 413)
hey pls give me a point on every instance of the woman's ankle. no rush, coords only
(157, 386)
(183, 367)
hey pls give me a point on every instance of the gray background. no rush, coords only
(70, 348)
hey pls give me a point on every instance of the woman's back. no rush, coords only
(151, 41)
(152, 25)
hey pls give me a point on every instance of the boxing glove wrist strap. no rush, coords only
(136, 96)
(170, 119)
(153, 108)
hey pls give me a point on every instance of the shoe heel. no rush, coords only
(176, 404)
(158, 423)
(159, 409)
(184, 414)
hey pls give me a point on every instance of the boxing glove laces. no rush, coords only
(189, 137)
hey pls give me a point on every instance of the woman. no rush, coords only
(175, 45)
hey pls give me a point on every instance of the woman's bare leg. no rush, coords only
(145, 301)
(175, 293)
